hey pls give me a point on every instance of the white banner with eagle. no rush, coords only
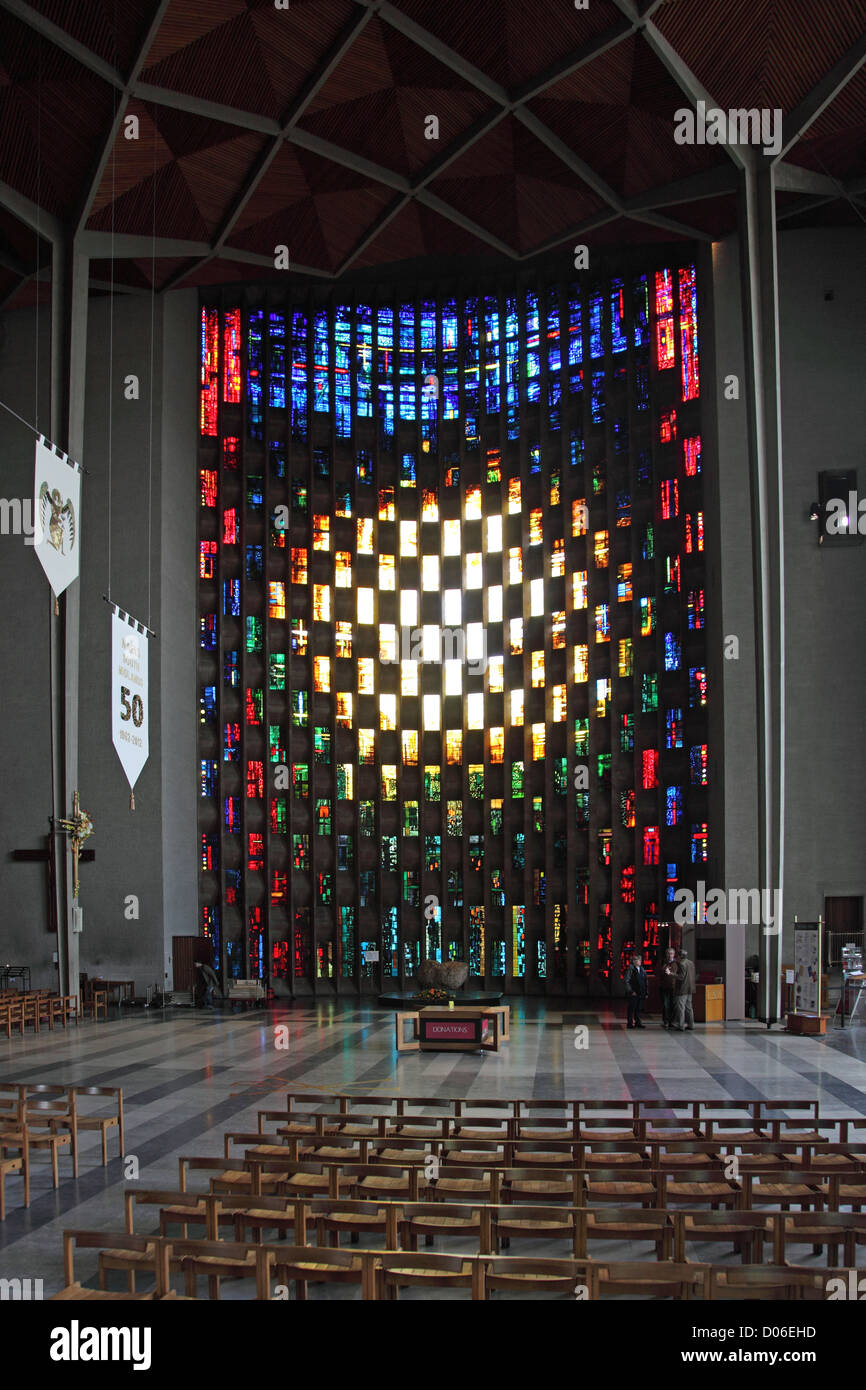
(129, 694)
(56, 515)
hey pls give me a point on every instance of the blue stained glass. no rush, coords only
(598, 398)
(277, 360)
(208, 632)
(321, 360)
(575, 344)
(232, 598)
(672, 652)
(640, 302)
(491, 356)
(255, 372)
(498, 958)
(533, 358)
(299, 375)
(364, 361)
(576, 450)
(673, 805)
(641, 376)
(343, 371)
(408, 365)
(512, 368)
(385, 371)
(450, 376)
(596, 343)
(254, 562)
(471, 372)
(541, 959)
(208, 777)
(619, 339)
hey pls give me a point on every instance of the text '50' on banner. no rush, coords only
(129, 694)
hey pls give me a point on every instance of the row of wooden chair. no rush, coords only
(271, 1170)
(380, 1274)
(42, 1116)
(490, 1226)
(622, 1114)
(317, 1126)
(35, 1008)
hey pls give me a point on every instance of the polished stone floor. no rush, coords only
(188, 1076)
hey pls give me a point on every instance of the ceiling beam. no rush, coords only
(590, 224)
(793, 178)
(798, 120)
(709, 183)
(34, 217)
(445, 210)
(567, 157)
(439, 50)
(669, 224)
(199, 106)
(130, 246)
(59, 37)
(743, 156)
(98, 170)
(350, 33)
(572, 62)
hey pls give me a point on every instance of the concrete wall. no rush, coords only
(146, 448)
(824, 426)
(823, 368)
(25, 759)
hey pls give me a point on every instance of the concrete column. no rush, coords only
(70, 270)
(759, 271)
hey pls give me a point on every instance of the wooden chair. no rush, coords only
(333, 1219)
(390, 1182)
(618, 1121)
(546, 1119)
(796, 1187)
(634, 1225)
(102, 1121)
(12, 1016)
(627, 1187)
(697, 1187)
(830, 1230)
(436, 1220)
(303, 1265)
(52, 1123)
(175, 1209)
(545, 1185)
(744, 1231)
(842, 1190)
(515, 1274)
(502, 1224)
(95, 1001)
(764, 1282)
(458, 1184)
(682, 1282)
(395, 1272)
(216, 1260)
(130, 1254)
(14, 1144)
(655, 1126)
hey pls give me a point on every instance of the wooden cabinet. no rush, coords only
(709, 1004)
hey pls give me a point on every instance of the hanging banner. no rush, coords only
(56, 515)
(129, 695)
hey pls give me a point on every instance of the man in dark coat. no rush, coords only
(636, 989)
(684, 1019)
(667, 986)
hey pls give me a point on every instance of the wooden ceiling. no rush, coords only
(363, 133)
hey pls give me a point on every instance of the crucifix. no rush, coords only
(48, 855)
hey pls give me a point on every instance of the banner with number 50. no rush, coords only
(129, 693)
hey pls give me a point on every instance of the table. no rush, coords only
(125, 988)
(465, 1029)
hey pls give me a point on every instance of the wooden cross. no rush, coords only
(48, 856)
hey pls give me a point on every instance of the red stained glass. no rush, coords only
(209, 370)
(232, 357)
(665, 341)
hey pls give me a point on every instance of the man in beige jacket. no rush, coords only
(684, 1019)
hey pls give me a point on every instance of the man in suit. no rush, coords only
(684, 1019)
(636, 989)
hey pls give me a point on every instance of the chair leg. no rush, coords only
(54, 1172)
